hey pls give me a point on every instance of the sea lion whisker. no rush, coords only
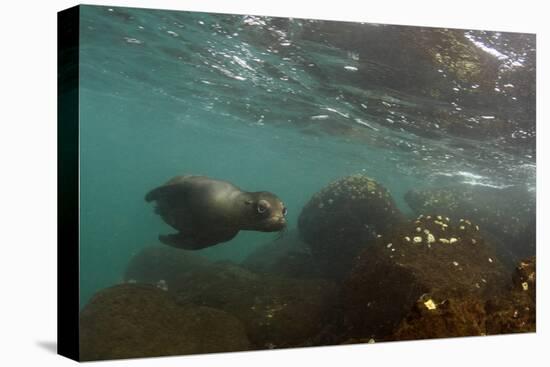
(281, 233)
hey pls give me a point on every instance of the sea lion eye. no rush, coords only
(284, 211)
(262, 206)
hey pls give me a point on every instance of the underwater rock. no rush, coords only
(432, 255)
(132, 321)
(524, 278)
(162, 264)
(343, 218)
(507, 214)
(525, 245)
(448, 318)
(277, 312)
(510, 312)
(287, 256)
(516, 313)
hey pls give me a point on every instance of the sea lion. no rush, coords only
(207, 212)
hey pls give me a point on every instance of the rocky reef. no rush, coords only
(441, 281)
(131, 321)
(355, 271)
(275, 310)
(344, 217)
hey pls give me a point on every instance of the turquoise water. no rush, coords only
(269, 104)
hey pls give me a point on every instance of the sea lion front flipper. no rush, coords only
(180, 241)
(197, 242)
(170, 189)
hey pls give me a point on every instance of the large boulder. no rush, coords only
(507, 214)
(343, 218)
(511, 312)
(433, 257)
(131, 321)
(277, 312)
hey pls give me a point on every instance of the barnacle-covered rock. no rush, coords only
(507, 214)
(513, 311)
(516, 312)
(131, 321)
(525, 278)
(445, 318)
(431, 255)
(343, 218)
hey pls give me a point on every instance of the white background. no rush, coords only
(28, 183)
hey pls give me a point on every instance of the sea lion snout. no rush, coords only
(274, 223)
(279, 222)
(282, 223)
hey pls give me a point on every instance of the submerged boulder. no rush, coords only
(452, 317)
(516, 313)
(163, 266)
(433, 257)
(507, 214)
(277, 312)
(343, 218)
(131, 321)
(513, 311)
(288, 256)
(525, 279)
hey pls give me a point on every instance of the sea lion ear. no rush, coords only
(249, 202)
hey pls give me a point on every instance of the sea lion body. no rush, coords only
(206, 211)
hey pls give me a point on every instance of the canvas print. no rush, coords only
(252, 183)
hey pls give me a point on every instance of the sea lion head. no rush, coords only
(265, 212)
